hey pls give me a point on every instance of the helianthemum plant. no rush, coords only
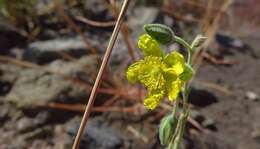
(165, 74)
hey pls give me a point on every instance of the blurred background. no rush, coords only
(51, 50)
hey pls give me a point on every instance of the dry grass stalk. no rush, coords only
(198, 56)
(95, 23)
(72, 24)
(100, 74)
(124, 30)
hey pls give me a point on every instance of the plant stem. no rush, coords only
(100, 74)
(178, 140)
(174, 112)
(178, 135)
(186, 45)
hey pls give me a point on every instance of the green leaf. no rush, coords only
(149, 46)
(175, 62)
(3, 8)
(161, 33)
(187, 74)
(167, 129)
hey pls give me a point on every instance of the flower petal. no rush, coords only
(154, 98)
(174, 89)
(133, 72)
(149, 46)
(175, 61)
(151, 74)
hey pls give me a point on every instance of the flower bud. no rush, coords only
(167, 128)
(198, 41)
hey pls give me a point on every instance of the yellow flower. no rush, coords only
(158, 73)
(149, 46)
(153, 99)
(176, 66)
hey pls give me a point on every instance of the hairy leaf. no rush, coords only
(161, 33)
(187, 74)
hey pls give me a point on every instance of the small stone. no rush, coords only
(34, 87)
(256, 134)
(210, 124)
(98, 135)
(3, 114)
(252, 96)
(43, 52)
(26, 124)
(196, 115)
(41, 132)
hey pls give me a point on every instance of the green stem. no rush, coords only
(189, 60)
(184, 43)
(177, 128)
(179, 132)
(178, 140)
(174, 112)
(173, 139)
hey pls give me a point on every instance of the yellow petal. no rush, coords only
(154, 99)
(151, 103)
(133, 72)
(175, 62)
(149, 46)
(151, 74)
(174, 89)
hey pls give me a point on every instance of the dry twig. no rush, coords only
(100, 74)
(216, 61)
(198, 56)
(72, 24)
(95, 23)
(137, 134)
(125, 31)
